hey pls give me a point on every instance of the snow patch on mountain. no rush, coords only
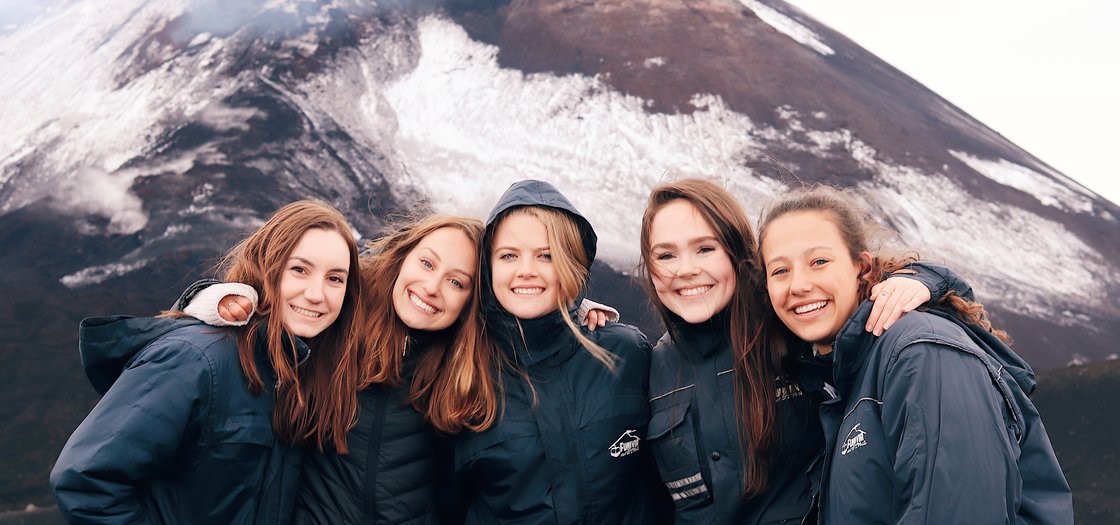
(1022, 178)
(466, 129)
(98, 274)
(788, 26)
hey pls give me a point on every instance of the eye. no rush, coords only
(820, 261)
(337, 279)
(706, 249)
(427, 263)
(777, 272)
(664, 256)
(545, 256)
(457, 283)
(507, 256)
(298, 270)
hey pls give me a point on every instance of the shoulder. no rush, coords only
(620, 338)
(917, 337)
(203, 345)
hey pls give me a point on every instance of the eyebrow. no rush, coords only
(309, 263)
(807, 250)
(465, 273)
(697, 240)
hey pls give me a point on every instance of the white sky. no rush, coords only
(1043, 74)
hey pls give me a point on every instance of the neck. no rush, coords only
(822, 348)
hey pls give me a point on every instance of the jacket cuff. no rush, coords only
(588, 305)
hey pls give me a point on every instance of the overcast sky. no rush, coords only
(1043, 74)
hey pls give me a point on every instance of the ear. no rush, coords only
(866, 263)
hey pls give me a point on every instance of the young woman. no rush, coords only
(568, 445)
(931, 422)
(205, 425)
(734, 426)
(425, 371)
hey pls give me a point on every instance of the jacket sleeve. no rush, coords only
(134, 433)
(953, 459)
(939, 279)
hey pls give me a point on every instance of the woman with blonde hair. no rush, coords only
(205, 425)
(568, 446)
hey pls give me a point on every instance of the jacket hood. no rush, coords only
(540, 193)
(857, 343)
(107, 344)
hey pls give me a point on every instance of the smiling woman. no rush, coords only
(206, 425)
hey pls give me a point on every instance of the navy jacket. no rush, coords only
(574, 452)
(932, 424)
(694, 434)
(177, 437)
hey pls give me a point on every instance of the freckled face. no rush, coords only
(810, 275)
(434, 282)
(691, 269)
(523, 277)
(313, 286)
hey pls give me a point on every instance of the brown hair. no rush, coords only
(861, 232)
(316, 404)
(757, 354)
(453, 384)
(573, 267)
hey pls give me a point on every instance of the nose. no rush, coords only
(526, 267)
(799, 282)
(687, 267)
(430, 286)
(313, 292)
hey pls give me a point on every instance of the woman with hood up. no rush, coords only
(569, 444)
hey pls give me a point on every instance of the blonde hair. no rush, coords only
(573, 267)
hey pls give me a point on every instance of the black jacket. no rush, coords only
(388, 476)
(932, 424)
(575, 452)
(177, 437)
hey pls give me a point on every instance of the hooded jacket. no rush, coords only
(932, 424)
(570, 448)
(694, 434)
(177, 437)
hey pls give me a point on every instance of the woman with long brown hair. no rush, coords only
(929, 423)
(733, 426)
(206, 425)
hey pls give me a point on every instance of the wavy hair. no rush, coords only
(453, 385)
(757, 353)
(316, 401)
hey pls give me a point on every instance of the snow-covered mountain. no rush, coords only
(140, 129)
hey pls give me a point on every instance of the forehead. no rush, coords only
(323, 247)
(678, 221)
(800, 230)
(452, 246)
(519, 227)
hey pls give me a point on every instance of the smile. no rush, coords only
(809, 308)
(422, 305)
(690, 292)
(528, 291)
(306, 313)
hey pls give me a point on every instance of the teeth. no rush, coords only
(528, 291)
(806, 308)
(421, 304)
(308, 313)
(688, 292)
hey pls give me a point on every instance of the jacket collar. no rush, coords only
(852, 347)
(701, 339)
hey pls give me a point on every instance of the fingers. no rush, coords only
(596, 318)
(892, 298)
(234, 308)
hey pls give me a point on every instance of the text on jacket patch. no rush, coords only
(855, 440)
(626, 444)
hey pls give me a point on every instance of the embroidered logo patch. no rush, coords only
(856, 438)
(626, 444)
